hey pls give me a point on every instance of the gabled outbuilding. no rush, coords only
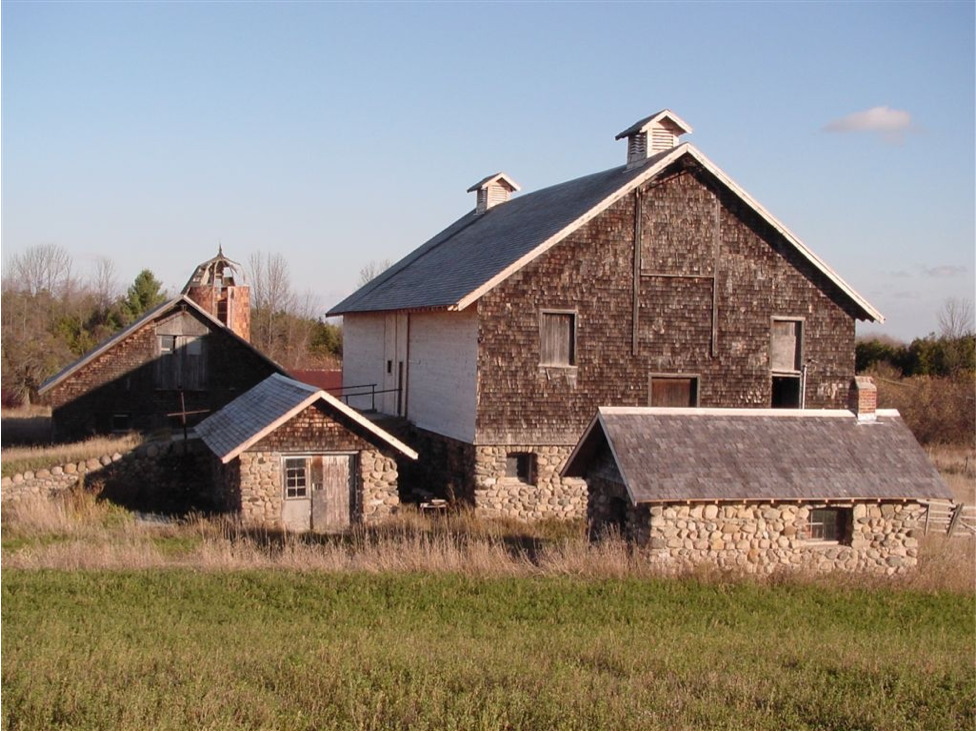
(760, 488)
(294, 456)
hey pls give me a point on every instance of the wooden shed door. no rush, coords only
(674, 392)
(332, 488)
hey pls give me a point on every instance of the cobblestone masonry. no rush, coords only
(759, 538)
(258, 471)
(160, 475)
(261, 491)
(549, 496)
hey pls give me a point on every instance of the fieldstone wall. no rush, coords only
(157, 476)
(378, 478)
(761, 538)
(549, 496)
(261, 493)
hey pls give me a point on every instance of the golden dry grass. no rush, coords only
(79, 532)
(18, 459)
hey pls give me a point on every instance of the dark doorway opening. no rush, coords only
(786, 392)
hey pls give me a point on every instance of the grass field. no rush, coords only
(114, 622)
(186, 649)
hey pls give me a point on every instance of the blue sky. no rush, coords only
(337, 134)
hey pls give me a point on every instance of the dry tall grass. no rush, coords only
(78, 532)
(18, 459)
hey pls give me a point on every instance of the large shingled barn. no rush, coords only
(659, 282)
(760, 489)
(294, 456)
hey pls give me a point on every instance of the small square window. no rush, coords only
(830, 524)
(296, 478)
(521, 466)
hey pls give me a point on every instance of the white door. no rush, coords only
(395, 356)
(296, 505)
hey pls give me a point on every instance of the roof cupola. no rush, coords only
(493, 190)
(651, 135)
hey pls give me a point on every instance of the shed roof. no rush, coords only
(260, 411)
(477, 252)
(672, 454)
(179, 302)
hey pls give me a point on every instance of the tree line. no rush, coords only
(948, 353)
(50, 315)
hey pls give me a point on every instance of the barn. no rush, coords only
(292, 456)
(760, 489)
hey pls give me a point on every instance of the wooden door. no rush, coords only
(296, 507)
(333, 482)
(673, 392)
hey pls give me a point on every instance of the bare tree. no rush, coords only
(372, 269)
(282, 321)
(104, 284)
(956, 318)
(42, 268)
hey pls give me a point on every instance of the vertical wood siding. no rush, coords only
(363, 336)
(443, 380)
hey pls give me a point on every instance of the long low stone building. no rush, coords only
(760, 489)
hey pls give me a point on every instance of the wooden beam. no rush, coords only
(638, 227)
(716, 254)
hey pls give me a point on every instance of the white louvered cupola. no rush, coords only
(493, 190)
(652, 135)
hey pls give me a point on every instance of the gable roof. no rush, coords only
(687, 454)
(664, 115)
(149, 316)
(477, 252)
(261, 410)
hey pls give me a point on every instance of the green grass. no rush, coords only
(190, 649)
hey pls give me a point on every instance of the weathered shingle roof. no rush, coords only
(172, 305)
(759, 454)
(476, 252)
(261, 410)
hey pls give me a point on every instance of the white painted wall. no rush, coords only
(443, 382)
(363, 361)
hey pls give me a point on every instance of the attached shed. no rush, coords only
(294, 456)
(759, 488)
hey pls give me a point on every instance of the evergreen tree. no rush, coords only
(145, 293)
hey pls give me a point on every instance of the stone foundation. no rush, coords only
(547, 497)
(764, 537)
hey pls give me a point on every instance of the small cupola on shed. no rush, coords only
(652, 135)
(493, 190)
(218, 287)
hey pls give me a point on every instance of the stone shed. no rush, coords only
(759, 489)
(290, 455)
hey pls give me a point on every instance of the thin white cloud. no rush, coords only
(891, 124)
(944, 270)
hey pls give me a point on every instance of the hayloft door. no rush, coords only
(332, 489)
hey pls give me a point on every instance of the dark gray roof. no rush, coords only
(473, 249)
(260, 410)
(716, 454)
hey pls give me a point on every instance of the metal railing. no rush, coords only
(365, 390)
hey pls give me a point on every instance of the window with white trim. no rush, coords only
(296, 478)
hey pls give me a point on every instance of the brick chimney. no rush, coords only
(218, 287)
(862, 399)
(652, 135)
(493, 190)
